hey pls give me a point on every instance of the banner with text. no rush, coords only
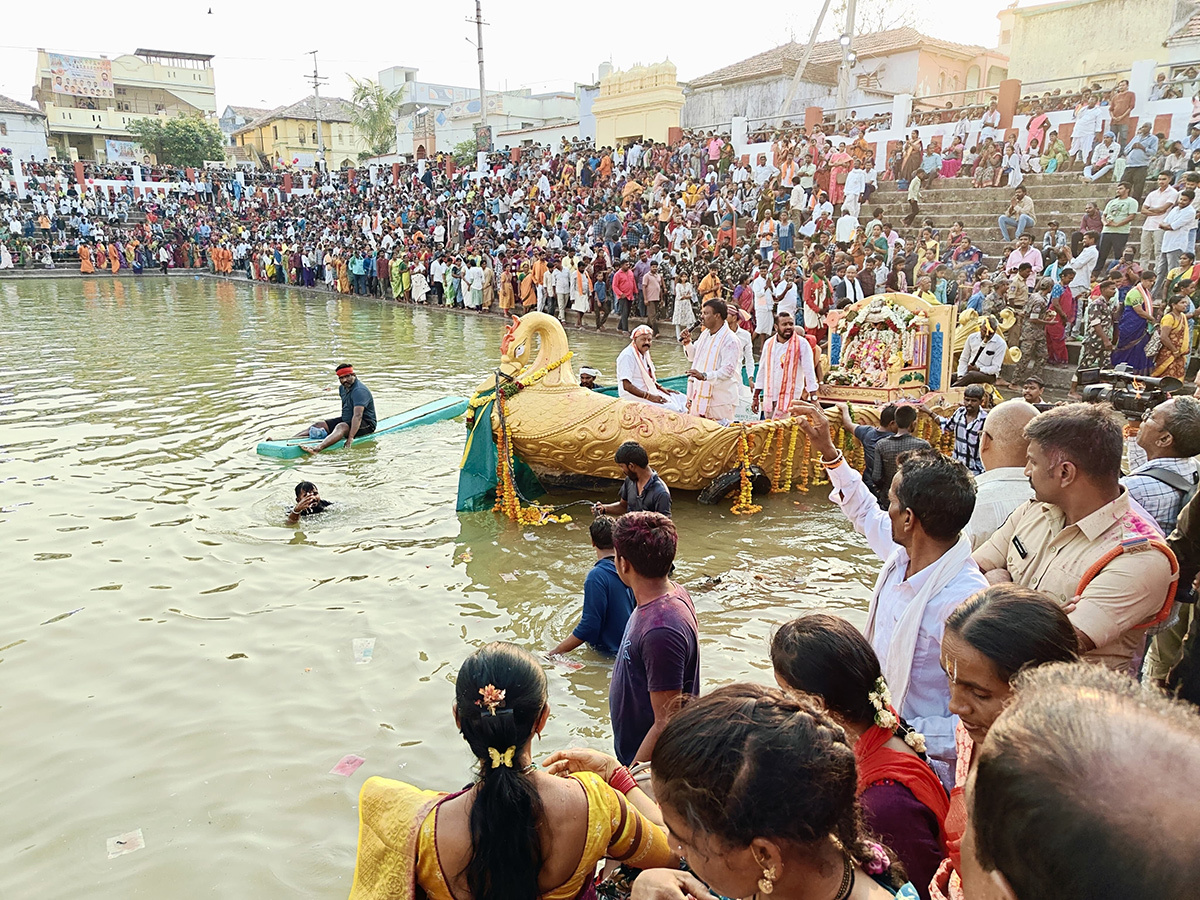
(123, 152)
(82, 76)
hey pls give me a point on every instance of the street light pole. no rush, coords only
(479, 50)
(848, 57)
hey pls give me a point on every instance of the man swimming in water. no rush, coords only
(358, 413)
(308, 502)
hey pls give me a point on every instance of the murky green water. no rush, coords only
(207, 683)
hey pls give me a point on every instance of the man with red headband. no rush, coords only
(357, 418)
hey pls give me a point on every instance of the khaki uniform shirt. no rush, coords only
(1128, 591)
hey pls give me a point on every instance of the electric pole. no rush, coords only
(848, 59)
(479, 23)
(317, 81)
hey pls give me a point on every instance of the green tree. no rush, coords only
(374, 115)
(464, 154)
(181, 141)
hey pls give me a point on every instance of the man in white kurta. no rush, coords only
(635, 374)
(716, 357)
(785, 371)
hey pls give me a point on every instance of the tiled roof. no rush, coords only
(8, 105)
(1187, 33)
(784, 59)
(333, 109)
(249, 113)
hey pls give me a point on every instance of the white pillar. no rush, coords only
(901, 110)
(739, 131)
(1141, 79)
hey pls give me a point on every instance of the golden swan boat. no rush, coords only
(533, 410)
(559, 428)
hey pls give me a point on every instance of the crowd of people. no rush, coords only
(998, 730)
(995, 725)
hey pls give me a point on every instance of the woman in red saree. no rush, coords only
(989, 638)
(901, 797)
(1062, 314)
(840, 163)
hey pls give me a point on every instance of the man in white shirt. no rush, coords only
(636, 379)
(1003, 486)
(927, 572)
(764, 298)
(1088, 123)
(983, 355)
(1156, 205)
(715, 358)
(856, 182)
(1083, 265)
(990, 126)
(1104, 157)
(785, 371)
(787, 292)
(1176, 226)
(764, 171)
(844, 229)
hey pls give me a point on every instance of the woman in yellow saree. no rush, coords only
(1171, 361)
(518, 832)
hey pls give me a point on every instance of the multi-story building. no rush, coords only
(89, 102)
(287, 135)
(235, 118)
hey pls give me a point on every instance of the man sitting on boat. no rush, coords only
(635, 374)
(357, 418)
(716, 357)
(785, 371)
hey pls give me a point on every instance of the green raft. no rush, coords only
(436, 411)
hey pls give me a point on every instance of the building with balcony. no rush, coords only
(89, 102)
(287, 135)
(22, 130)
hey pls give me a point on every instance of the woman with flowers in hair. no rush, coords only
(989, 638)
(517, 832)
(902, 799)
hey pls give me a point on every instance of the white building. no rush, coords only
(22, 130)
(433, 117)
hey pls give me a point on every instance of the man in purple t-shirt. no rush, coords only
(658, 665)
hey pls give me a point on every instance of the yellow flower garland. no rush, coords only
(744, 505)
(507, 500)
(789, 469)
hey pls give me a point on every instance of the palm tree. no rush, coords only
(374, 114)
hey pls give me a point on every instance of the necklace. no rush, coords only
(530, 769)
(847, 884)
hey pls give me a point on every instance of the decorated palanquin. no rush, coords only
(889, 346)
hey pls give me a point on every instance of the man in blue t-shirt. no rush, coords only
(658, 666)
(357, 418)
(869, 435)
(607, 600)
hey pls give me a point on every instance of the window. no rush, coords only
(1006, 36)
(315, 141)
(275, 132)
(120, 91)
(302, 139)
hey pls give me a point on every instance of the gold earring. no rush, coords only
(766, 884)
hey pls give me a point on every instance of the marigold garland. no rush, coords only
(793, 435)
(744, 505)
(511, 388)
(507, 499)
